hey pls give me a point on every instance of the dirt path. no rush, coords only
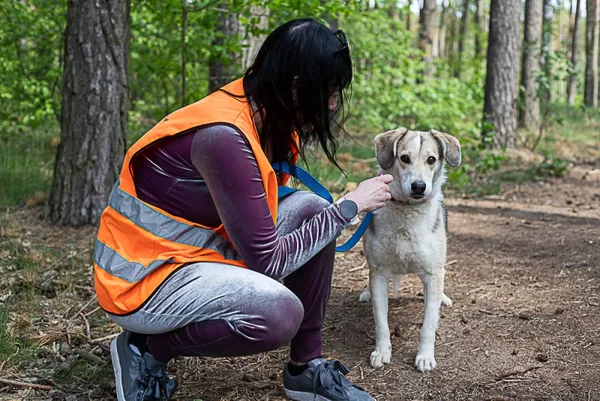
(526, 290)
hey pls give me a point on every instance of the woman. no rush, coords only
(194, 243)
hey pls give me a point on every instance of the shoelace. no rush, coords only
(329, 375)
(157, 383)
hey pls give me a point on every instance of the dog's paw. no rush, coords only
(365, 296)
(381, 356)
(446, 301)
(425, 362)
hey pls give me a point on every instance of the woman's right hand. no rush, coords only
(371, 194)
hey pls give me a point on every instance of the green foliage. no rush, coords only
(551, 167)
(31, 37)
(389, 90)
(157, 47)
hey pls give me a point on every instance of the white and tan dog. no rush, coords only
(409, 234)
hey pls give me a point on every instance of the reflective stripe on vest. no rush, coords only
(159, 225)
(114, 264)
(165, 227)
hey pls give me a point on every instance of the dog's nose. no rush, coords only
(418, 187)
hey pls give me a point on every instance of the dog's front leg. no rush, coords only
(378, 284)
(433, 288)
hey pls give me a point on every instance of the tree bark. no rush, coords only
(252, 41)
(547, 32)
(591, 50)
(501, 86)
(442, 35)
(571, 80)
(393, 12)
(461, 37)
(480, 32)
(451, 42)
(94, 110)
(224, 66)
(529, 112)
(331, 19)
(428, 34)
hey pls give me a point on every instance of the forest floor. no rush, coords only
(523, 273)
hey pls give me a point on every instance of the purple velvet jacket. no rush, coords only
(209, 176)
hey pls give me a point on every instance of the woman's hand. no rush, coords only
(371, 194)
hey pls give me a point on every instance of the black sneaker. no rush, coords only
(323, 380)
(138, 378)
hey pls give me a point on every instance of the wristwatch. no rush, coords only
(348, 209)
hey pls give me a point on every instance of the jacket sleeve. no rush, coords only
(229, 168)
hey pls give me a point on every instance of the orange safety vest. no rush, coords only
(139, 245)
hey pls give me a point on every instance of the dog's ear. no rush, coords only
(450, 147)
(384, 146)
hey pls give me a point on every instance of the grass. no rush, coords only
(14, 348)
(7, 343)
(573, 134)
(39, 312)
(26, 165)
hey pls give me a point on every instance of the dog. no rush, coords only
(409, 234)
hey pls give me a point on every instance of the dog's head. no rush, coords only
(416, 160)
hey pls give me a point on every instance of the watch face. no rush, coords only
(349, 209)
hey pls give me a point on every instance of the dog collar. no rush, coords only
(410, 203)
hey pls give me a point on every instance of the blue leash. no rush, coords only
(314, 185)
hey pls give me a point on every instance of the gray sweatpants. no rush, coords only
(212, 309)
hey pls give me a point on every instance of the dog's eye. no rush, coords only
(431, 160)
(405, 159)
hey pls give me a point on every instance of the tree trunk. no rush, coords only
(529, 112)
(461, 37)
(442, 35)
(331, 19)
(501, 85)
(393, 12)
(253, 42)
(224, 66)
(428, 34)
(408, 15)
(591, 50)
(547, 32)
(480, 31)
(451, 48)
(571, 23)
(571, 80)
(94, 110)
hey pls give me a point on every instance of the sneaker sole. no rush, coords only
(114, 354)
(303, 396)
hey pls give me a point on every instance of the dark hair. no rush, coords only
(300, 65)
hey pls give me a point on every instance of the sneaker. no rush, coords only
(137, 377)
(323, 380)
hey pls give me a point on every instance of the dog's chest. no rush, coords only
(406, 242)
